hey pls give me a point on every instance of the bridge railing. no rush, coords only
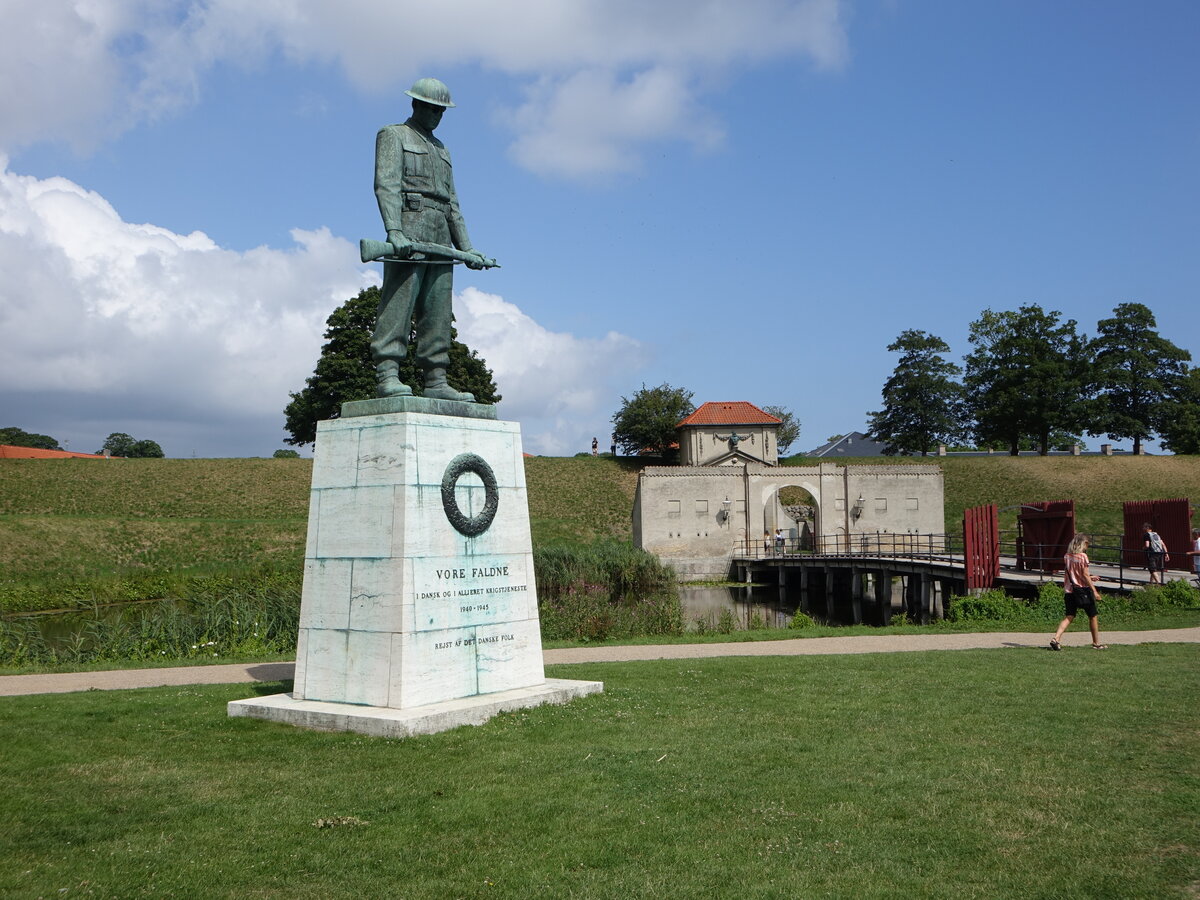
(877, 544)
(1103, 550)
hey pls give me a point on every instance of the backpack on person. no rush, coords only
(1156, 543)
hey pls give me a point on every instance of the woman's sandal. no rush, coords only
(1099, 647)
(1055, 645)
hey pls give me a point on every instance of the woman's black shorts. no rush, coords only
(1077, 600)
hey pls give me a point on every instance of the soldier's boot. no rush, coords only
(387, 381)
(437, 388)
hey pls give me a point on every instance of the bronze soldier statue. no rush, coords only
(414, 184)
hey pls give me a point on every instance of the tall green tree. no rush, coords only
(789, 427)
(345, 371)
(1027, 377)
(18, 437)
(120, 444)
(1179, 422)
(646, 421)
(1137, 373)
(147, 449)
(922, 401)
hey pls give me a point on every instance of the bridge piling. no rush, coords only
(883, 594)
(856, 594)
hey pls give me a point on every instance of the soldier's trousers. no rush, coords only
(414, 297)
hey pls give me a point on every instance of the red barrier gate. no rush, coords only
(981, 543)
(1172, 519)
(1045, 529)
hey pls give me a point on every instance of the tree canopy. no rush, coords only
(345, 371)
(1027, 377)
(1137, 374)
(1179, 418)
(18, 437)
(120, 444)
(922, 402)
(646, 421)
(789, 427)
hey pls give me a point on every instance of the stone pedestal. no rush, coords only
(419, 590)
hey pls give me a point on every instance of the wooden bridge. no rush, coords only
(883, 575)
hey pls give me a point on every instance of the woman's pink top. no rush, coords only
(1075, 570)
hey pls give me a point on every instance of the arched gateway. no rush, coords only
(694, 517)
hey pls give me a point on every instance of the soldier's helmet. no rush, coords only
(430, 90)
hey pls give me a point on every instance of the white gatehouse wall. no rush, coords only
(694, 517)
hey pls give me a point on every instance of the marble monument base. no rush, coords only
(386, 722)
(419, 610)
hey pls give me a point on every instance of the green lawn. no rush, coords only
(1015, 773)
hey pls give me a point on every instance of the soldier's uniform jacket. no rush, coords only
(414, 184)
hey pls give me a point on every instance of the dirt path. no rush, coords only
(15, 685)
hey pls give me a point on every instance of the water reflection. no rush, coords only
(760, 606)
(60, 629)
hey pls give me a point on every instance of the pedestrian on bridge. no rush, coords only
(1157, 556)
(1080, 592)
(1195, 553)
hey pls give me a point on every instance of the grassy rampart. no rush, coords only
(76, 532)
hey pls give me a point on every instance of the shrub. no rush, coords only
(727, 621)
(1180, 593)
(989, 606)
(801, 620)
(1050, 602)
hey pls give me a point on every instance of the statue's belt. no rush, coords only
(415, 201)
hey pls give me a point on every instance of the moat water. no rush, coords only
(760, 606)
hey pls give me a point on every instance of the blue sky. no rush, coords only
(747, 200)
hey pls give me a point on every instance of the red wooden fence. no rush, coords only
(1046, 528)
(981, 543)
(1172, 519)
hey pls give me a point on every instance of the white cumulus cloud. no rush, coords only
(93, 306)
(90, 69)
(561, 387)
(115, 322)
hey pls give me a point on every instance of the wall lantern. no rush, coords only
(725, 509)
(857, 509)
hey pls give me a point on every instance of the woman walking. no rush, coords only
(1080, 591)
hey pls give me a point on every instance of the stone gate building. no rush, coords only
(694, 517)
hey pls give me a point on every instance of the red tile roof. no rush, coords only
(738, 412)
(8, 451)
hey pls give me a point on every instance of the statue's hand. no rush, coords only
(479, 261)
(401, 246)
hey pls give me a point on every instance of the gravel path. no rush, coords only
(14, 685)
